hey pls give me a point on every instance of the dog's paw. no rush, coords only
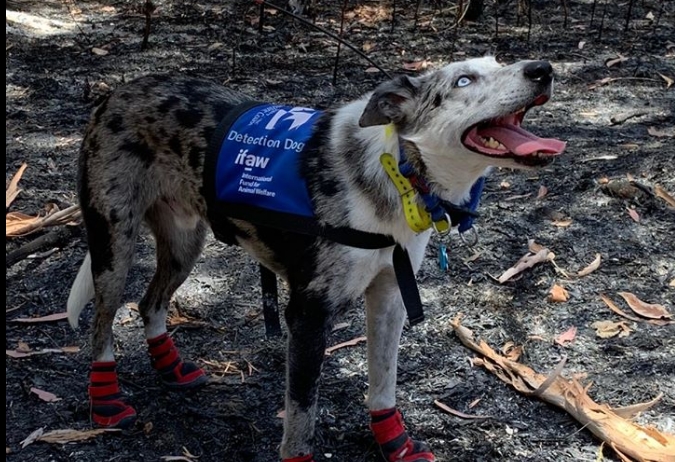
(113, 413)
(175, 373)
(108, 408)
(395, 444)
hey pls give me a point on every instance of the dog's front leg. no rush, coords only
(385, 316)
(308, 318)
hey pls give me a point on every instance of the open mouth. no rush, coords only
(503, 137)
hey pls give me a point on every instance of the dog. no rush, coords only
(145, 158)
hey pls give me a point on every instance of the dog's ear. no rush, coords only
(385, 103)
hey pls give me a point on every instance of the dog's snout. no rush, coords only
(539, 71)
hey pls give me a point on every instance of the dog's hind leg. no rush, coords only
(111, 246)
(308, 318)
(179, 238)
(385, 316)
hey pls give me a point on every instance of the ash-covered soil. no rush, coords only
(61, 56)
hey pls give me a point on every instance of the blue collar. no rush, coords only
(461, 215)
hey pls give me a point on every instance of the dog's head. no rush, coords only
(468, 115)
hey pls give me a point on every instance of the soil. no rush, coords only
(617, 117)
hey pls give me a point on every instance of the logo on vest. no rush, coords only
(298, 115)
(250, 160)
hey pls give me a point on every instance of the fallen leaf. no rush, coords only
(533, 246)
(562, 223)
(18, 353)
(558, 294)
(615, 61)
(473, 403)
(629, 412)
(17, 221)
(543, 190)
(281, 414)
(603, 180)
(69, 435)
(527, 261)
(457, 413)
(608, 329)
(612, 306)
(669, 81)
(186, 457)
(505, 185)
(32, 437)
(48, 318)
(595, 264)
(341, 325)
(672, 283)
(659, 133)
(581, 44)
(663, 194)
(147, 428)
(649, 16)
(566, 337)
(352, 342)
(372, 70)
(13, 188)
(367, 46)
(648, 310)
(45, 395)
(416, 65)
(634, 215)
(99, 51)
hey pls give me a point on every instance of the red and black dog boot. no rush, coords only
(395, 444)
(108, 408)
(174, 372)
(306, 458)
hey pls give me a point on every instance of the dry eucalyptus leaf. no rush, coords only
(615, 61)
(69, 435)
(99, 51)
(527, 261)
(45, 395)
(543, 190)
(558, 294)
(663, 194)
(595, 264)
(648, 310)
(13, 189)
(352, 342)
(566, 337)
(669, 81)
(562, 223)
(48, 318)
(653, 131)
(634, 215)
(608, 329)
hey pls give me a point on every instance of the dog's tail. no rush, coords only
(81, 292)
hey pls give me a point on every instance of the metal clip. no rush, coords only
(473, 240)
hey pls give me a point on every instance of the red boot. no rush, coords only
(395, 444)
(108, 408)
(175, 373)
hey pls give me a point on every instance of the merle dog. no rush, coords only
(144, 159)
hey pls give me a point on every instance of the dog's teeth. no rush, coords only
(493, 143)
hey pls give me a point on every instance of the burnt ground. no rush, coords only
(53, 80)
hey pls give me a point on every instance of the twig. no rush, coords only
(148, 9)
(602, 19)
(328, 33)
(54, 238)
(628, 15)
(339, 47)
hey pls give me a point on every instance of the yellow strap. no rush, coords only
(417, 217)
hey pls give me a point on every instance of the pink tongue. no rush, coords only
(520, 141)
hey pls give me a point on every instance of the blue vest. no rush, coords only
(258, 160)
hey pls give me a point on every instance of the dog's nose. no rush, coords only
(539, 71)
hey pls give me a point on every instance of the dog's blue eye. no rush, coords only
(464, 81)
